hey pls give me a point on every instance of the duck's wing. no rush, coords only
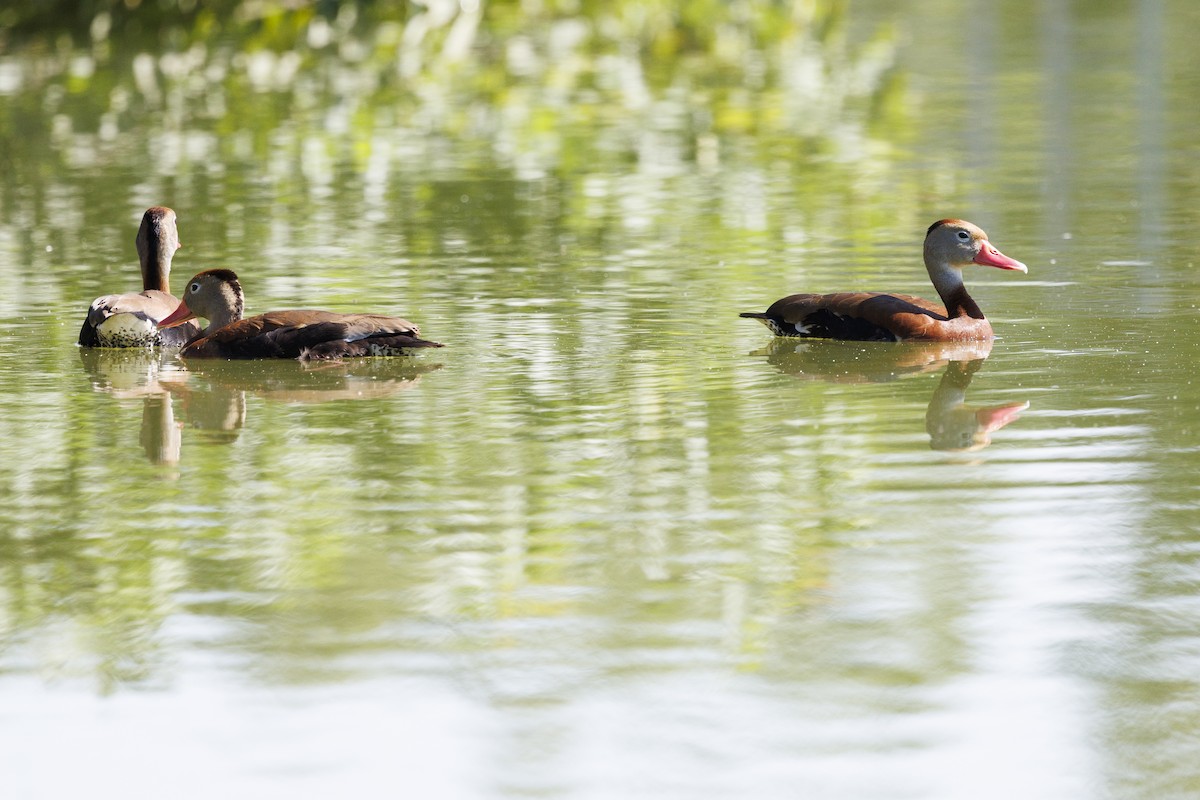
(310, 334)
(858, 316)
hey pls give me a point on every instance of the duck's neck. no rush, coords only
(156, 270)
(949, 284)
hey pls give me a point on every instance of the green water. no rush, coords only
(611, 541)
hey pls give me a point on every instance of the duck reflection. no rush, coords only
(951, 422)
(291, 381)
(146, 375)
(212, 396)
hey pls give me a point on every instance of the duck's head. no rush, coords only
(214, 295)
(957, 243)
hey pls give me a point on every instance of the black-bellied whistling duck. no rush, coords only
(216, 295)
(129, 320)
(950, 245)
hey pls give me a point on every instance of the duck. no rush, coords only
(304, 334)
(950, 245)
(129, 320)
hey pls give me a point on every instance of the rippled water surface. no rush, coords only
(613, 541)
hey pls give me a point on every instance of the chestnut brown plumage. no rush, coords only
(306, 334)
(950, 245)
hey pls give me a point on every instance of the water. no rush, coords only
(613, 540)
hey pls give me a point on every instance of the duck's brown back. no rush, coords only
(310, 334)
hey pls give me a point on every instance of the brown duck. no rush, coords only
(950, 245)
(129, 320)
(216, 295)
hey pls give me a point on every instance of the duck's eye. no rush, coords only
(963, 236)
(195, 287)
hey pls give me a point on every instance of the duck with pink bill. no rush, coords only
(305, 334)
(950, 245)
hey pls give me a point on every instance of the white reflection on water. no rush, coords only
(417, 737)
(530, 725)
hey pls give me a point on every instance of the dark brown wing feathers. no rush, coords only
(310, 334)
(862, 316)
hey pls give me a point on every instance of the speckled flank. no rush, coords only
(777, 328)
(121, 340)
(127, 330)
